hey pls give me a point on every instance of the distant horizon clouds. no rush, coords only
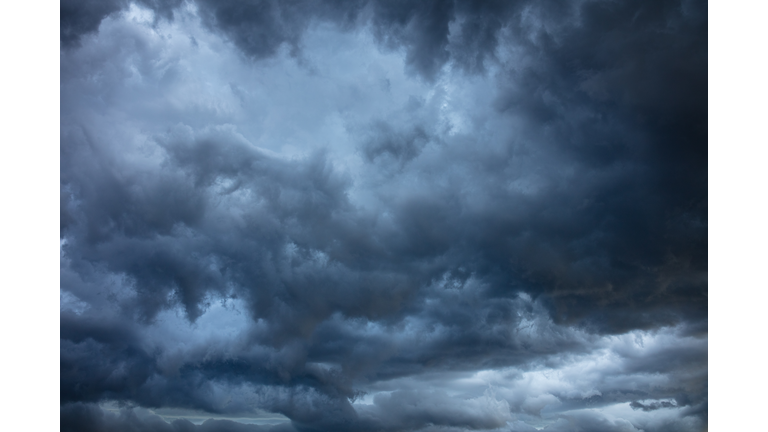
(371, 215)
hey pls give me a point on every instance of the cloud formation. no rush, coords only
(378, 215)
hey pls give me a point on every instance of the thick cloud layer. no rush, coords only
(378, 215)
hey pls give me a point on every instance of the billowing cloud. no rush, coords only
(383, 216)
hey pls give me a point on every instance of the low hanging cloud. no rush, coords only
(375, 215)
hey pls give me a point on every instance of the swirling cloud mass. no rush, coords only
(381, 215)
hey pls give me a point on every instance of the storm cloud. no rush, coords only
(383, 215)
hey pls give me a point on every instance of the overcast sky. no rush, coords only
(383, 215)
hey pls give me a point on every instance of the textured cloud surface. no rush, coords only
(383, 215)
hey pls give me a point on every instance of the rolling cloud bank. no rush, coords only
(377, 215)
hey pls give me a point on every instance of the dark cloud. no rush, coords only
(652, 406)
(251, 221)
(82, 417)
(258, 28)
(80, 17)
(400, 146)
